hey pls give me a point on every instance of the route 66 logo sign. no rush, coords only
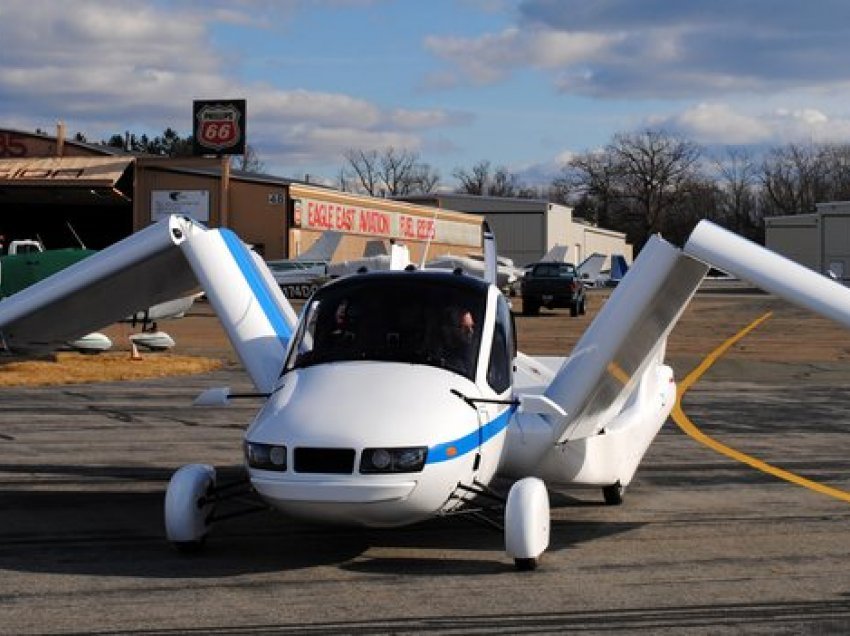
(219, 127)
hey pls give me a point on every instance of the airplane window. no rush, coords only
(409, 321)
(499, 369)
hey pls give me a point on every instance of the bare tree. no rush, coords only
(248, 162)
(593, 180)
(653, 166)
(475, 180)
(390, 172)
(737, 180)
(501, 183)
(425, 179)
(363, 165)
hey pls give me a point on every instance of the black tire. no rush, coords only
(190, 547)
(574, 309)
(525, 565)
(613, 494)
(530, 308)
(582, 310)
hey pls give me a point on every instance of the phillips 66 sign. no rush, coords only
(219, 127)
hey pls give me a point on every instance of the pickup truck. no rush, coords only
(551, 285)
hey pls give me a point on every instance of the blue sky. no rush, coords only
(522, 83)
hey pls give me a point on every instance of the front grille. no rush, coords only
(324, 460)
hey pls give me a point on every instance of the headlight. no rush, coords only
(393, 460)
(265, 456)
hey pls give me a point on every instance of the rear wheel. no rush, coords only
(582, 309)
(613, 494)
(574, 309)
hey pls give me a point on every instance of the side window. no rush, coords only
(501, 353)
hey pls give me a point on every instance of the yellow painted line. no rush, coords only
(617, 372)
(688, 427)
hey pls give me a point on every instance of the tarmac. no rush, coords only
(702, 544)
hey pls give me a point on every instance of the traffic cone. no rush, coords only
(134, 351)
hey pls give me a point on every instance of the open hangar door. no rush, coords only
(52, 199)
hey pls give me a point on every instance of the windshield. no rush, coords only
(404, 320)
(562, 270)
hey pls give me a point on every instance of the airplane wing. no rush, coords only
(629, 333)
(159, 263)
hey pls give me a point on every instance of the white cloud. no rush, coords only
(620, 48)
(722, 123)
(492, 57)
(106, 67)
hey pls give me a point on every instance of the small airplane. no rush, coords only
(300, 277)
(508, 275)
(432, 401)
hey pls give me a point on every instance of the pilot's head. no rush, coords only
(459, 327)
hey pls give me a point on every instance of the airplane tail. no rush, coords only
(619, 267)
(590, 267)
(557, 253)
(624, 340)
(323, 249)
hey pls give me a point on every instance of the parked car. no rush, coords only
(553, 285)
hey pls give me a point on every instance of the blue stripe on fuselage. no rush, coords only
(258, 285)
(470, 442)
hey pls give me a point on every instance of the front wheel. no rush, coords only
(525, 565)
(187, 508)
(527, 522)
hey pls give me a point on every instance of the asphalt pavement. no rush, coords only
(702, 544)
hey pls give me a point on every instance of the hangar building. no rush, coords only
(48, 184)
(526, 229)
(820, 241)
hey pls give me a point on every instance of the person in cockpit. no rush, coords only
(458, 335)
(342, 332)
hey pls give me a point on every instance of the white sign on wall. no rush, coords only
(192, 203)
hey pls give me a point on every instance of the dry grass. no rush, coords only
(75, 368)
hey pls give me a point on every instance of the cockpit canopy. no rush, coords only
(411, 317)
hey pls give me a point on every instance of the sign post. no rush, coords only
(219, 128)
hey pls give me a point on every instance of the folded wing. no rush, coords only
(162, 262)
